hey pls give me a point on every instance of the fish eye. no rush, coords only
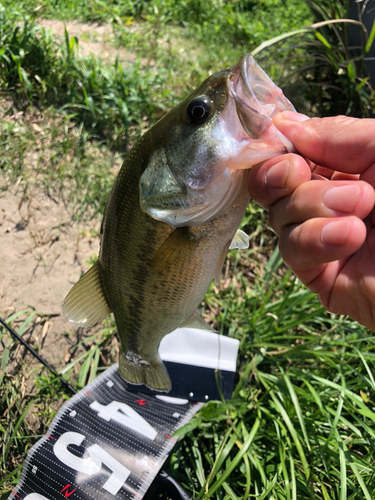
(198, 110)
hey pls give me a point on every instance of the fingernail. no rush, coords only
(336, 232)
(294, 116)
(342, 198)
(277, 175)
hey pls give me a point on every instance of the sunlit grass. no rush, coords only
(302, 418)
(46, 152)
(107, 101)
(301, 422)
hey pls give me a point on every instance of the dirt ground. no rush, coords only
(96, 39)
(42, 255)
(42, 252)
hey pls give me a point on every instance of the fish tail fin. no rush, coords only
(86, 304)
(136, 370)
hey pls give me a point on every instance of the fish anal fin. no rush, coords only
(176, 251)
(196, 321)
(240, 240)
(86, 304)
(135, 370)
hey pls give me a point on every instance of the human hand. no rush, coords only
(322, 208)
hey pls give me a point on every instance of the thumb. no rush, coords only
(340, 142)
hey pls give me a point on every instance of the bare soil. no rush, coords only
(93, 39)
(42, 254)
(42, 251)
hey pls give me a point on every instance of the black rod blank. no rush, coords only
(38, 357)
(163, 480)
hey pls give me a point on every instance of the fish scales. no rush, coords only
(175, 289)
(173, 213)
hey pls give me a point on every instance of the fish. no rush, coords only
(173, 213)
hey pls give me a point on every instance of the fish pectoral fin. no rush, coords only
(86, 304)
(196, 321)
(240, 240)
(136, 370)
(176, 252)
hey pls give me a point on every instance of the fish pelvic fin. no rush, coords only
(240, 240)
(196, 321)
(86, 304)
(220, 263)
(135, 370)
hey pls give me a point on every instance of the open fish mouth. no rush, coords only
(256, 97)
(233, 136)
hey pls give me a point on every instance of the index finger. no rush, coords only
(340, 143)
(277, 178)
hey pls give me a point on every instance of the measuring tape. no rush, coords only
(105, 443)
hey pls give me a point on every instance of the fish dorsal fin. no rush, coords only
(196, 321)
(85, 305)
(176, 252)
(240, 240)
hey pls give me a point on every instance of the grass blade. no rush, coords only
(298, 409)
(293, 433)
(236, 459)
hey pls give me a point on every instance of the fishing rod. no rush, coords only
(36, 355)
(163, 482)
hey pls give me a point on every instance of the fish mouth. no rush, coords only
(256, 97)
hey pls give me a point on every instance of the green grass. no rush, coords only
(301, 424)
(179, 39)
(98, 10)
(105, 100)
(317, 66)
(25, 409)
(46, 152)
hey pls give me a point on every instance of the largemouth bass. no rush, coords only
(173, 213)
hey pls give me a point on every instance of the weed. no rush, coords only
(104, 100)
(99, 10)
(318, 65)
(24, 412)
(300, 424)
(192, 39)
(47, 152)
